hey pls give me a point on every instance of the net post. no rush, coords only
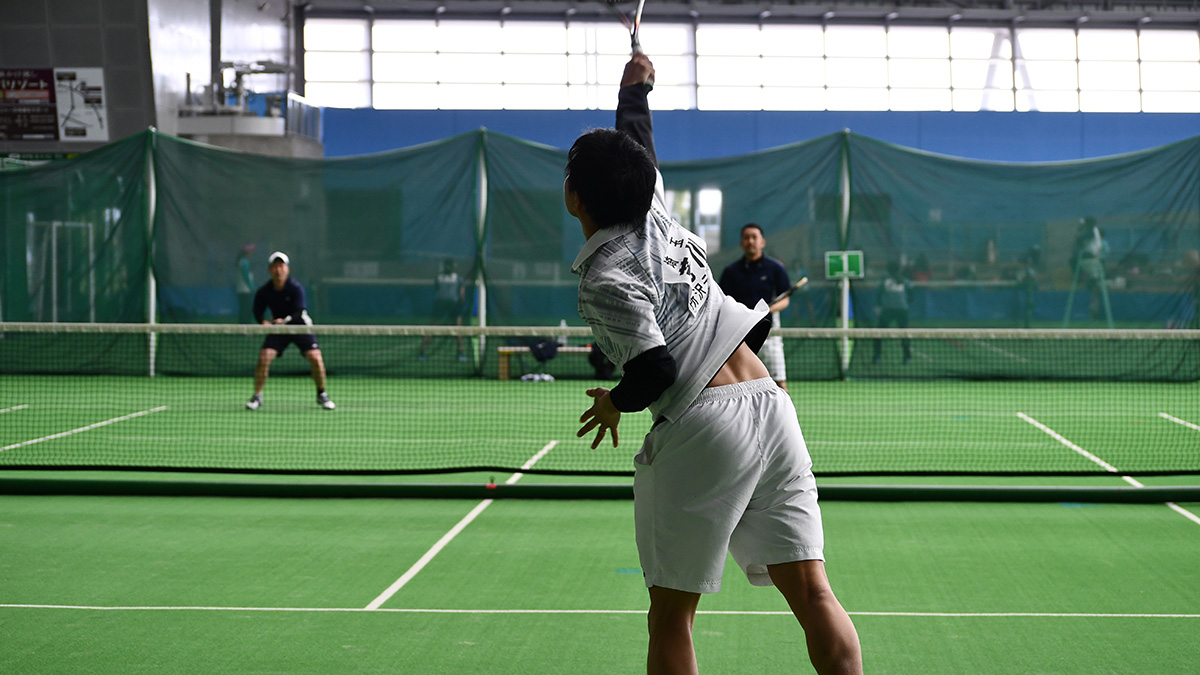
(151, 282)
(91, 273)
(844, 234)
(54, 271)
(480, 227)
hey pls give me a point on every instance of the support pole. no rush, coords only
(843, 235)
(480, 230)
(151, 282)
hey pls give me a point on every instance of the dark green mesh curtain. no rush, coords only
(1112, 241)
(75, 237)
(1086, 243)
(792, 193)
(531, 239)
(366, 235)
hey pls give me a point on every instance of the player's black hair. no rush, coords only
(613, 175)
(755, 226)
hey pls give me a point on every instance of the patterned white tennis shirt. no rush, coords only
(647, 285)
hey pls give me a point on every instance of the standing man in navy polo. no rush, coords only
(759, 277)
(284, 296)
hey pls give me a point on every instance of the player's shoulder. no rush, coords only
(620, 263)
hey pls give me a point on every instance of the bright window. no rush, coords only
(547, 65)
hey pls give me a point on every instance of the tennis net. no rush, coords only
(421, 399)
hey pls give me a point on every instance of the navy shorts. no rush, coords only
(306, 343)
(448, 310)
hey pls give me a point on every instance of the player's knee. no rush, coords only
(804, 583)
(265, 357)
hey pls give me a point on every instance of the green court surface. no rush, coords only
(419, 424)
(203, 585)
(230, 584)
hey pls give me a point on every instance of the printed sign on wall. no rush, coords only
(27, 111)
(53, 104)
(82, 115)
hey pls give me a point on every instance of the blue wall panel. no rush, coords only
(694, 134)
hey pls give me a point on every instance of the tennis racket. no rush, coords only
(633, 27)
(798, 284)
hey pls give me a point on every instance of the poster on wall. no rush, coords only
(53, 104)
(82, 113)
(27, 111)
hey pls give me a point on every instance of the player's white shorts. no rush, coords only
(771, 355)
(731, 474)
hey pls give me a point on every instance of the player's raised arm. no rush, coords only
(633, 108)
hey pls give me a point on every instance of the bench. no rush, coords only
(505, 352)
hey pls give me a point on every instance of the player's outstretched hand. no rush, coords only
(602, 414)
(639, 70)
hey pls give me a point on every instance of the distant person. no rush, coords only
(757, 277)
(921, 270)
(284, 296)
(1088, 260)
(243, 285)
(449, 303)
(891, 306)
(1027, 281)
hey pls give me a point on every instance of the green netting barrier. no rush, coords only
(76, 241)
(1016, 244)
(366, 235)
(1105, 243)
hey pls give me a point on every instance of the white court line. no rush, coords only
(1161, 414)
(1184, 512)
(1002, 352)
(921, 355)
(918, 444)
(1108, 467)
(1058, 437)
(89, 427)
(642, 612)
(449, 536)
(327, 440)
(16, 407)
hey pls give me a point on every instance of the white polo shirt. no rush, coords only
(648, 285)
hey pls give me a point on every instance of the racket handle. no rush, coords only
(637, 49)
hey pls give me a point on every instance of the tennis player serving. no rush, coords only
(724, 467)
(284, 296)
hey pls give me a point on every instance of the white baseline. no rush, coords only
(639, 612)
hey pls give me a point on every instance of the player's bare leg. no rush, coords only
(318, 375)
(318, 367)
(670, 621)
(782, 384)
(265, 357)
(833, 645)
